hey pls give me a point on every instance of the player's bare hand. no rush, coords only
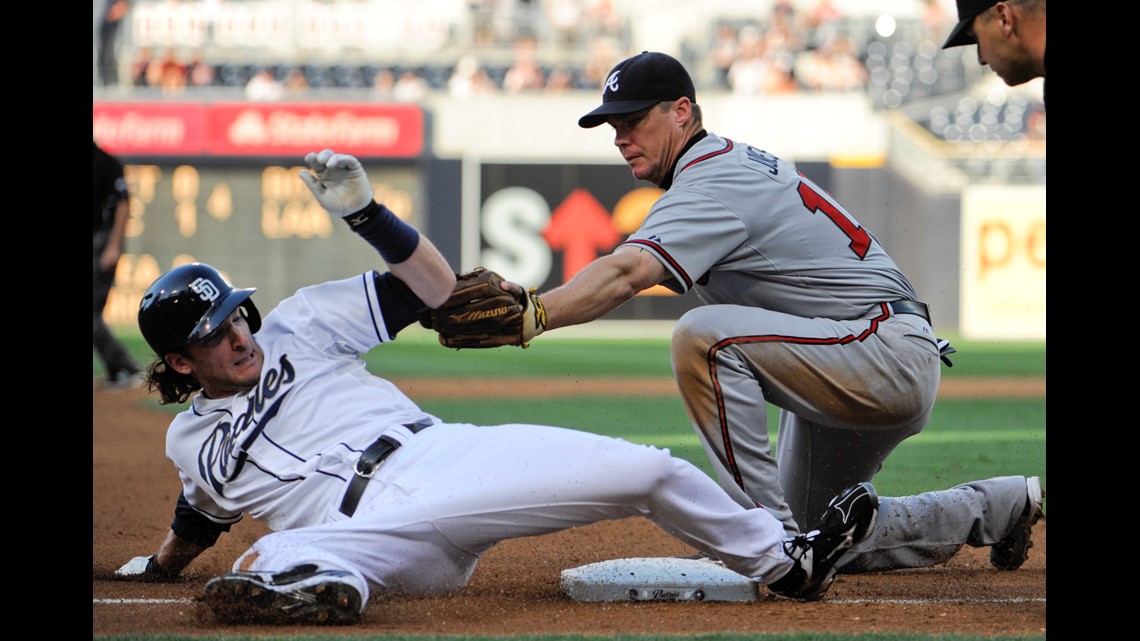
(337, 181)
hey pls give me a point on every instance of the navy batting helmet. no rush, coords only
(187, 303)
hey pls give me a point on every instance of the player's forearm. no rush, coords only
(176, 553)
(593, 292)
(427, 273)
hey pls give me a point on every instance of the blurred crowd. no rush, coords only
(530, 46)
(801, 45)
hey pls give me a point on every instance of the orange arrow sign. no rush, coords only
(581, 228)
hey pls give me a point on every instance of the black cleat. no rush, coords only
(301, 595)
(1010, 552)
(848, 520)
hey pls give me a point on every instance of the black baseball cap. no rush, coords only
(639, 83)
(967, 11)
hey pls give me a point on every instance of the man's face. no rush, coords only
(226, 362)
(1000, 47)
(649, 140)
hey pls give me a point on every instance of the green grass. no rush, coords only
(966, 439)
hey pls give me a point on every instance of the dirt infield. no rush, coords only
(515, 589)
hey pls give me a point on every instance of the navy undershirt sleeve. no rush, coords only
(399, 303)
(189, 524)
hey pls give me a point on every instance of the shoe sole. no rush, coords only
(245, 600)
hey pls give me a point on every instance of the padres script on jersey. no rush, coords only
(256, 452)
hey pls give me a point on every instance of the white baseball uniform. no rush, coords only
(285, 453)
(799, 314)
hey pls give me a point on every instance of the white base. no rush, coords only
(657, 579)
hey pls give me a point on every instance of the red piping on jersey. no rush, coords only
(665, 256)
(657, 248)
(727, 148)
(725, 432)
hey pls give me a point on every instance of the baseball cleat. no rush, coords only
(848, 520)
(300, 595)
(1010, 552)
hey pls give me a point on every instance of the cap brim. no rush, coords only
(614, 108)
(959, 36)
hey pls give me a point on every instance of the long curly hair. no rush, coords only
(171, 385)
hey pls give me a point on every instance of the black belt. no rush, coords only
(366, 466)
(911, 307)
(921, 310)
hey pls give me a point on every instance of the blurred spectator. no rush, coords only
(110, 25)
(603, 54)
(822, 14)
(140, 67)
(784, 30)
(384, 85)
(602, 18)
(821, 23)
(764, 67)
(470, 79)
(559, 80)
(198, 73)
(783, 13)
(780, 53)
(747, 73)
(723, 53)
(263, 87)
(831, 67)
(168, 74)
(295, 83)
(409, 87)
(523, 74)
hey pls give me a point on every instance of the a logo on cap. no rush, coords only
(612, 81)
(206, 289)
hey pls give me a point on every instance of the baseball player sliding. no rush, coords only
(803, 309)
(365, 492)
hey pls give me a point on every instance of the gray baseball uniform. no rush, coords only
(805, 310)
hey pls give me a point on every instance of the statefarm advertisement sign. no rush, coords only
(244, 129)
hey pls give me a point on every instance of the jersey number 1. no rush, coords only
(860, 240)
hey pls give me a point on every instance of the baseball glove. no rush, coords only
(480, 313)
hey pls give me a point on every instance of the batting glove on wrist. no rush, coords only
(533, 312)
(143, 568)
(534, 318)
(337, 181)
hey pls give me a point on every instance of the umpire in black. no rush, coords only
(110, 203)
